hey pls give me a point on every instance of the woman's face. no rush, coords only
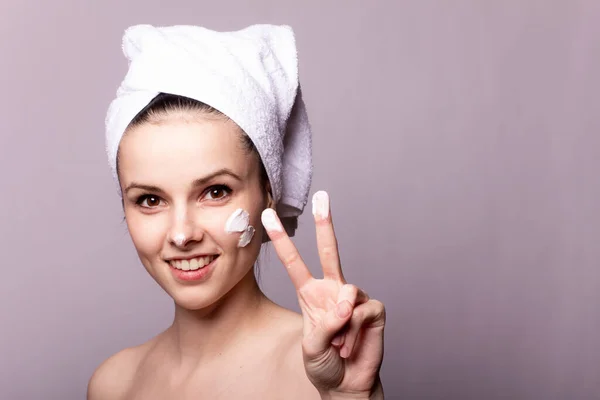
(181, 180)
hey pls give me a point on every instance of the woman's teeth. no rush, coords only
(193, 264)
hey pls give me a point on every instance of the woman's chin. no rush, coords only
(193, 299)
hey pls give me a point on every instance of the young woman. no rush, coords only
(199, 203)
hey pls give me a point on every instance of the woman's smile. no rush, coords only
(194, 269)
(192, 263)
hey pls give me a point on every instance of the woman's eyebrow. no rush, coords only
(224, 171)
(198, 182)
(148, 188)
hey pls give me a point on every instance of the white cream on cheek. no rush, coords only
(246, 236)
(239, 221)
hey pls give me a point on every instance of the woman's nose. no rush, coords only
(184, 229)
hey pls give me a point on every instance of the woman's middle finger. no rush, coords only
(326, 240)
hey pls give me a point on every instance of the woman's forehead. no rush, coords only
(182, 147)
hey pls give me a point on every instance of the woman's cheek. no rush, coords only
(147, 233)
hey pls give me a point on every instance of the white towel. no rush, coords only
(249, 75)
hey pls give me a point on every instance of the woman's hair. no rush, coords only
(166, 104)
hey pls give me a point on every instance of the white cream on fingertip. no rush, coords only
(269, 220)
(320, 204)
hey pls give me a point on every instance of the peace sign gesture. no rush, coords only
(342, 340)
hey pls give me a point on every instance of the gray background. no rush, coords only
(459, 143)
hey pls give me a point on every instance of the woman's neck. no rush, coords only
(205, 334)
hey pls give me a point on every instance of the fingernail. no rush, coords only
(336, 341)
(344, 352)
(320, 204)
(269, 220)
(344, 309)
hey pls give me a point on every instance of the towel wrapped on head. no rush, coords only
(250, 75)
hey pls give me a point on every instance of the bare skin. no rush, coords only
(154, 370)
(227, 340)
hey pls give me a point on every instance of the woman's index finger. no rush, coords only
(285, 248)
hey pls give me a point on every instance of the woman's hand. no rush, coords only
(343, 328)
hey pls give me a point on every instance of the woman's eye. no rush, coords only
(149, 201)
(217, 192)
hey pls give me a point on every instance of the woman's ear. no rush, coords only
(270, 201)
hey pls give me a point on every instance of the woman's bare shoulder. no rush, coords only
(283, 324)
(288, 354)
(112, 379)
